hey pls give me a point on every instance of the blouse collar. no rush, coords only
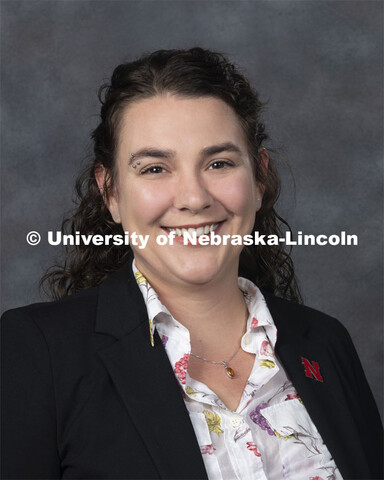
(160, 317)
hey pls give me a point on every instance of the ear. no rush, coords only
(110, 198)
(264, 166)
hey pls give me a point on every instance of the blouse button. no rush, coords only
(247, 339)
(236, 421)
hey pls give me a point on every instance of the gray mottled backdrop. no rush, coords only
(319, 65)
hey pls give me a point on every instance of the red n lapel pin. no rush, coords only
(312, 369)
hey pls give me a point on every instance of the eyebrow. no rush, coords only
(205, 152)
(222, 147)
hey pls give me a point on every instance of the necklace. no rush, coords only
(228, 370)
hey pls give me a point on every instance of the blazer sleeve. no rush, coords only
(368, 413)
(28, 439)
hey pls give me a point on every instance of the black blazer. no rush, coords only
(86, 396)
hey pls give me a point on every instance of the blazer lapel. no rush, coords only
(328, 398)
(144, 379)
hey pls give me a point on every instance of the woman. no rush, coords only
(165, 364)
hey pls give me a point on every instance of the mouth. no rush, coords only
(198, 230)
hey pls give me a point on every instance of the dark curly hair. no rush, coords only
(190, 73)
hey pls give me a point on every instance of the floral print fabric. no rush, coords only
(270, 436)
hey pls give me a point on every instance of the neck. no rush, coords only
(215, 313)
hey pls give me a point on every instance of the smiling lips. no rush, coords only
(200, 230)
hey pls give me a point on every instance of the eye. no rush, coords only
(152, 169)
(220, 164)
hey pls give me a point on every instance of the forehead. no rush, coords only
(177, 122)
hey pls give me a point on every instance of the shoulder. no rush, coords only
(53, 342)
(74, 313)
(302, 313)
(293, 319)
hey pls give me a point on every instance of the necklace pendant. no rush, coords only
(229, 371)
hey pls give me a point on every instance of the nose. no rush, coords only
(192, 193)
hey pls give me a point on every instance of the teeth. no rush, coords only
(194, 231)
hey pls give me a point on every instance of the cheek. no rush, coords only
(142, 204)
(239, 195)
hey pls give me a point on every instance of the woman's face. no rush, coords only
(192, 170)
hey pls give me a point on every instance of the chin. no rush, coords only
(198, 272)
(197, 278)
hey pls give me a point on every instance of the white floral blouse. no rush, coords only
(270, 436)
